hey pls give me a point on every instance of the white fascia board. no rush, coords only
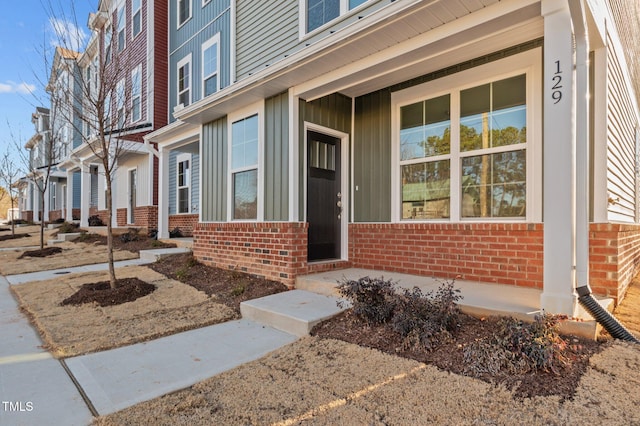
(174, 133)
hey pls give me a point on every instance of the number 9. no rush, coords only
(556, 96)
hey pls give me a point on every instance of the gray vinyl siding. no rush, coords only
(372, 157)
(621, 144)
(214, 175)
(195, 183)
(205, 23)
(173, 177)
(334, 112)
(268, 31)
(77, 189)
(276, 158)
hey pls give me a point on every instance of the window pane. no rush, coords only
(183, 200)
(135, 109)
(494, 185)
(183, 10)
(426, 190)
(244, 149)
(425, 128)
(211, 85)
(320, 12)
(355, 3)
(245, 195)
(137, 23)
(210, 60)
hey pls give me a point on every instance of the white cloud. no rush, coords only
(13, 87)
(65, 33)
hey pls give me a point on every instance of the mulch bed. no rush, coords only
(13, 237)
(448, 355)
(47, 251)
(128, 290)
(230, 287)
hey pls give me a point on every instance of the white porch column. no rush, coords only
(35, 194)
(163, 193)
(559, 211)
(85, 193)
(47, 197)
(69, 195)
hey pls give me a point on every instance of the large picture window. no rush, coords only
(467, 152)
(244, 168)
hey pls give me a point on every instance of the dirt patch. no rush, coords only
(13, 237)
(127, 290)
(47, 251)
(229, 287)
(141, 242)
(75, 330)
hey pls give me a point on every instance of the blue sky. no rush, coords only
(26, 35)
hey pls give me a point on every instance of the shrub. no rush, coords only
(373, 299)
(130, 235)
(176, 233)
(95, 221)
(423, 319)
(67, 228)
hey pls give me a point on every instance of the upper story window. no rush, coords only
(467, 146)
(121, 29)
(210, 61)
(244, 168)
(108, 35)
(136, 94)
(319, 12)
(136, 17)
(184, 11)
(120, 102)
(184, 81)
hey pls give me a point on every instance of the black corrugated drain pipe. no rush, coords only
(602, 316)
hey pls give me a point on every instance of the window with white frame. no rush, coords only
(108, 118)
(184, 81)
(108, 34)
(183, 183)
(136, 94)
(121, 28)
(316, 13)
(120, 102)
(210, 61)
(184, 11)
(244, 168)
(136, 17)
(465, 152)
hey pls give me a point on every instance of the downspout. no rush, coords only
(585, 298)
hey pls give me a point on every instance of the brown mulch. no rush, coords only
(13, 237)
(47, 251)
(230, 287)
(448, 354)
(141, 242)
(128, 290)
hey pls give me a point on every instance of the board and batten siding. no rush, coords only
(332, 111)
(214, 171)
(214, 18)
(621, 144)
(276, 158)
(268, 31)
(372, 157)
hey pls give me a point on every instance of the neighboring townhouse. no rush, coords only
(30, 200)
(200, 39)
(447, 139)
(127, 57)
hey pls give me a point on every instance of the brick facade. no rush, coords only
(185, 222)
(55, 215)
(144, 217)
(27, 215)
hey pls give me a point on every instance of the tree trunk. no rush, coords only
(113, 282)
(42, 220)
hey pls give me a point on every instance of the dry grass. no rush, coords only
(627, 311)
(328, 382)
(32, 240)
(73, 254)
(171, 308)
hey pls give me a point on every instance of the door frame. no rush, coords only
(131, 202)
(345, 161)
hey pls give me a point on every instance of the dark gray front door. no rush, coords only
(324, 200)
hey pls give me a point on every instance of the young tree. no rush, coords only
(9, 173)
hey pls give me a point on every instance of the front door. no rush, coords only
(132, 195)
(324, 199)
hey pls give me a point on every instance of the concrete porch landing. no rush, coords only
(479, 299)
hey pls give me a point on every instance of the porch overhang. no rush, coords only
(394, 44)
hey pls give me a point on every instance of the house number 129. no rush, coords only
(556, 88)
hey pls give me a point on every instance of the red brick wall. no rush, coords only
(614, 257)
(27, 215)
(275, 250)
(186, 223)
(145, 217)
(55, 215)
(76, 214)
(121, 217)
(495, 253)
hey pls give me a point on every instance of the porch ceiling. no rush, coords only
(393, 45)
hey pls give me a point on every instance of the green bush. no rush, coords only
(372, 299)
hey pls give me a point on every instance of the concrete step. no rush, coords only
(295, 311)
(157, 254)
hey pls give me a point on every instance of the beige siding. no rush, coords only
(121, 182)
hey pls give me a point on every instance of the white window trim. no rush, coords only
(181, 63)
(188, 18)
(136, 70)
(124, 26)
(133, 14)
(254, 109)
(529, 63)
(344, 13)
(179, 159)
(207, 44)
(205, 2)
(121, 101)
